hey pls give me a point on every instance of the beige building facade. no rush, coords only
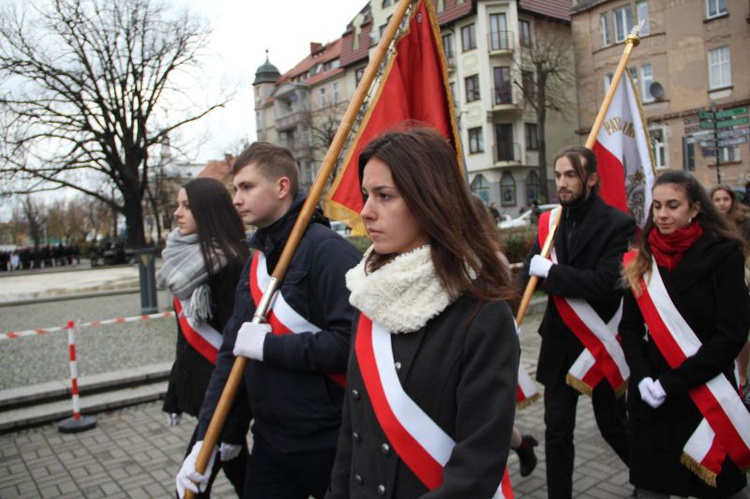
(691, 69)
(484, 42)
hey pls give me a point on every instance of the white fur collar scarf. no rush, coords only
(401, 296)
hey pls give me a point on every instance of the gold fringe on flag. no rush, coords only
(523, 404)
(578, 384)
(701, 471)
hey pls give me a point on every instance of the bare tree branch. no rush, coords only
(81, 85)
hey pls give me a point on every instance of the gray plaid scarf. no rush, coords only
(184, 273)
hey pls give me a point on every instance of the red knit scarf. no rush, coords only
(668, 249)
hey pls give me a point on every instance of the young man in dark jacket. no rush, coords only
(294, 379)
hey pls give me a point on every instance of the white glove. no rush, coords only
(227, 452)
(187, 478)
(657, 393)
(540, 266)
(173, 419)
(654, 397)
(250, 339)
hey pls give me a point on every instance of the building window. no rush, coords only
(532, 137)
(623, 22)
(441, 5)
(608, 77)
(719, 68)
(729, 154)
(524, 32)
(358, 74)
(641, 9)
(647, 78)
(507, 189)
(476, 141)
(453, 91)
(481, 188)
(533, 187)
(323, 102)
(498, 32)
(448, 45)
(658, 143)
(606, 30)
(472, 88)
(715, 8)
(387, 3)
(468, 38)
(336, 92)
(504, 140)
(503, 85)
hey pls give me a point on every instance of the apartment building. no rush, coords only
(692, 70)
(485, 43)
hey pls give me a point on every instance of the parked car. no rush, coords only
(524, 219)
(341, 228)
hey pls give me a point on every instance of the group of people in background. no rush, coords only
(37, 257)
(396, 374)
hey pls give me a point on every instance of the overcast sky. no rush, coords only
(242, 31)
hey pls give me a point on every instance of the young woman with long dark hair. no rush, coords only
(203, 259)
(433, 371)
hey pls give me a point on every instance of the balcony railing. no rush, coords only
(507, 96)
(506, 152)
(501, 41)
(291, 120)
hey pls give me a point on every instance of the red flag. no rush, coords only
(623, 151)
(414, 86)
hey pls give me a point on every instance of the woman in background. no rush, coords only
(203, 259)
(685, 318)
(726, 202)
(435, 334)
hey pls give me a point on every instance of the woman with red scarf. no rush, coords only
(685, 318)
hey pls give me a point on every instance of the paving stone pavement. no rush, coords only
(132, 453)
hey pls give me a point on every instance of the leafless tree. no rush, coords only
(324, 124)
(67, 221)
(84, 85)
(547, 73)
(35, 216)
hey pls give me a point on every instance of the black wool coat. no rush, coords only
(708, 289)
(191, 371)
(461, 369)
(588, 268)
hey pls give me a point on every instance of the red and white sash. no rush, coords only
(282, 317)
(725, 428)
(202, 337)
(414, 436)
(527, 391)
(602, 357)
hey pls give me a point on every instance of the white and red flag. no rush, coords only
(623, 151)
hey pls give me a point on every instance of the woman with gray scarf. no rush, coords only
(202, 262)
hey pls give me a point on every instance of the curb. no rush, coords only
(48, 402)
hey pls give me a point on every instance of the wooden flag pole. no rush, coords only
(313, 197)
(631, 42)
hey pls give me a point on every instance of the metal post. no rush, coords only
(147, 275)
(714, 109)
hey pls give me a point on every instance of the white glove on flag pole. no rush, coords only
(624, 155)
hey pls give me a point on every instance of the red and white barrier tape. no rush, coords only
(118, 320)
